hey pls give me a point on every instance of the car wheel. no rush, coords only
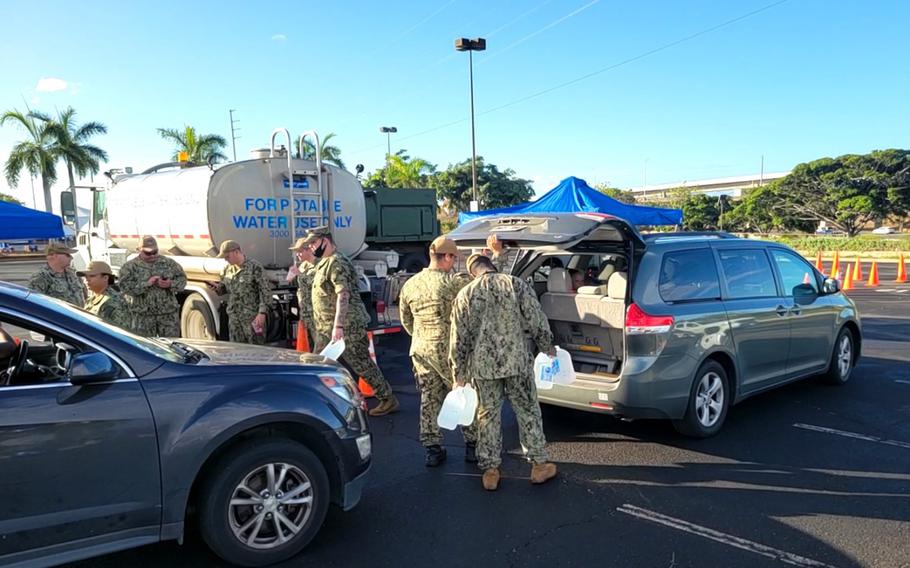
(708, 402)
(264, 502)
(841, 366)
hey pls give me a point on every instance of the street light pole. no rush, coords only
(472, 45)
(388, 131)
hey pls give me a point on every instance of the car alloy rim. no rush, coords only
(270, 506)
(709, 399)
(844, 357)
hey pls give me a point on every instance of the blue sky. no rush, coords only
(680, 96)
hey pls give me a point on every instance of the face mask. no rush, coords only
(320, 250)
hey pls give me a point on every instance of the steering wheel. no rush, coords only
(16, 362)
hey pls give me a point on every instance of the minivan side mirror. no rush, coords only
(92, 368)
(830, 286)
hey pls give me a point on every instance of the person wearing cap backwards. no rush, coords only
(425, 307)
(151, 283)
(487, 344)
(105, 302)
(340, 314)
(304, 274)
(250, 296)
(56, 279)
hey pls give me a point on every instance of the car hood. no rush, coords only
(224, 353)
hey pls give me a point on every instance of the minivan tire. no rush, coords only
(702, 419)
(248, 463)
(841, 365)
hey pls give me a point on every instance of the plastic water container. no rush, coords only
(333, 350)
(459, 407)
(549, 371)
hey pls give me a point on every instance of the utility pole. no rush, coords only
(234, 130)
(761, 176)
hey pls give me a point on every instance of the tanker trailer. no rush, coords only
(191, 210)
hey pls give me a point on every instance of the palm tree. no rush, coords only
(37, 153)
(403, 171)
(200, 147)
(329, 153)
(71, 143)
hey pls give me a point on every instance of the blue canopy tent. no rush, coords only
(19, 223)
(575, 195)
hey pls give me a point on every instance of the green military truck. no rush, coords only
(403, 220)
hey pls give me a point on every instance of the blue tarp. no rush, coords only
(18, 222)
(574, 195)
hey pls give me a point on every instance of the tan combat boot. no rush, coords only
(387, 406)
(542, 472)
(491, 479)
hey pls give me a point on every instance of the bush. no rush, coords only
(831, 244)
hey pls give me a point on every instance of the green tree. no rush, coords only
(700, 212)
(200, 147)
(9, 199)
(36, 154)
(72, 144)
(402, 171)
(495, 187)
(618, 194)
(328, 152)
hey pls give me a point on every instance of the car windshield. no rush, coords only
(158, 347)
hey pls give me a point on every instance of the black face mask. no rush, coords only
(320, 250)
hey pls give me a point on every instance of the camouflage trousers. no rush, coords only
(156, 325)
(356, 358)
(522, 395)
(433, 389)
(240, 329)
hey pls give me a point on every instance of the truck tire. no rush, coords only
(196, 319)
(414, 262)
(229, 515)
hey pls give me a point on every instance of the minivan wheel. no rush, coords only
(841, 366)
(264, 502)
(708, 402)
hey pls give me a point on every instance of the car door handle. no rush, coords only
(796, 309)
(782, 311)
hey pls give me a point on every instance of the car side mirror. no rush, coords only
(804, 292)
(92, 368)
(831, 286)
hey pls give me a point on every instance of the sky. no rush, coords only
(613, 92)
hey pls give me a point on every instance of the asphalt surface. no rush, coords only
(806, 475)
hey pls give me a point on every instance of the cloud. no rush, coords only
(50, 85)
(279, 37)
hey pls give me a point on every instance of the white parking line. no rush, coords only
(902, 382)
(724, 538)
(854, 435)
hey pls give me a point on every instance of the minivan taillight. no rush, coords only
(639, 323)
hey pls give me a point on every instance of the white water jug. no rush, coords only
(553, 370)
(333, 350)
(459, 407)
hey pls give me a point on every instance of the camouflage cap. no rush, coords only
(443, 245)
(299, 244)
(315, 234)
(226, 247)
(96, 267)
(148, 244)
(58, 248)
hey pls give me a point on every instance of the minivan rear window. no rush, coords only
(688, 276)
(748, 274)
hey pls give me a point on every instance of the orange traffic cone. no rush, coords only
(858, 270)
(848, 280)
(806, 279)
(873, 276)
(365, 389)
(818, 262)
(836, 276)
(835, 264)
(901, 270)
(303, 340)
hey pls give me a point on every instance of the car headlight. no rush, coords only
(342, 385)
(364, 446)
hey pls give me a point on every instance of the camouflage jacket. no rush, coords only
(248, 287)
(110, 307)
(425, 307)
(64, 286)
(488, 320)
(144, 298)
(305, 289)
(334, 274)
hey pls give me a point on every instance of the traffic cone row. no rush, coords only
(854, 275)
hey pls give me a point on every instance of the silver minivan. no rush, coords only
(674, 325)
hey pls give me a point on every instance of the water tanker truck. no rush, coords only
(264, 203)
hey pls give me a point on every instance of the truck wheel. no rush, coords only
(414, 262)
(264, 502)
(196, 319)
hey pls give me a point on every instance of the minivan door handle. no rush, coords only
(782, 311)
(796, 309)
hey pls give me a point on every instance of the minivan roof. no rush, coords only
(679, 236)
(546, 229)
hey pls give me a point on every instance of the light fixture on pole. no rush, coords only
(472, 45)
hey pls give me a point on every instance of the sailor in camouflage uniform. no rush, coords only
(486, 344)
(56, 279)
(425, 306)
(151, 283)
(340, 314)
(303, 273)
(105, 302)
(250, 295)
